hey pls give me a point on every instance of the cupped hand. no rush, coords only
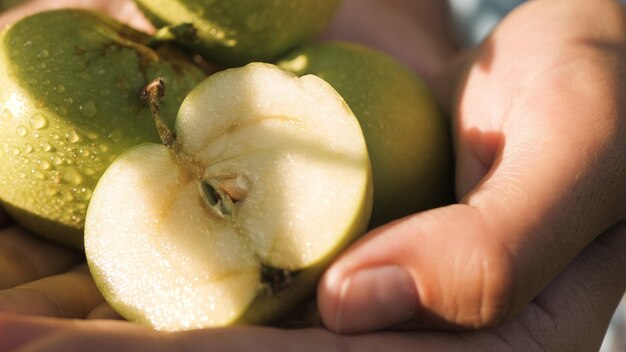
(45, 298)
(537, 120)
(539, 116)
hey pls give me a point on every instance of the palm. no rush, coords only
(532, 329)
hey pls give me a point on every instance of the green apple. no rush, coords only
(406, 133)
(234, 217)
(69, 104)
(236, 32)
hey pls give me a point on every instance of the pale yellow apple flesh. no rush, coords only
(268, 180)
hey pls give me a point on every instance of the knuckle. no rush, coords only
(489, 301)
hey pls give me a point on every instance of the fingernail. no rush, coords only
(375, 298)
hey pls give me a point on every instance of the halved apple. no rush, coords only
(264, 180)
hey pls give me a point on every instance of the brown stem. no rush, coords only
(151, 96)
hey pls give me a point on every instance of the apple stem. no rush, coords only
(219, 194)
(151, 96)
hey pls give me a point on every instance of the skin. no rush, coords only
(532, 253)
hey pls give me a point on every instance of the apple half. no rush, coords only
(264, 180)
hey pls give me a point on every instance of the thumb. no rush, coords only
(476, 263)
(434, 268)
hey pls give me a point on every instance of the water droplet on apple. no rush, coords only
(88, 108)
(87, 171)
(44, 165)
(72, 136)
(73, 177)
(60, 88)
(7, 115)
(117, 135)
(43, 53)
(28, 148)
(84, 194)
(28, 43)
(45, 146)
(100, 70)
(50, 190)
(21, 131)
(38, 121)
(37, 174)
(68, 197)
(61, 111)
(85, 76)
(57, 160)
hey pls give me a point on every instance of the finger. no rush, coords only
(565, 317)
(49, 334)
(69, 295)
(104, 311)
(125, 11)
(25, 258)
(422, 23)
(45, 334)
(4, 219)
(553, 186)
(573, 313)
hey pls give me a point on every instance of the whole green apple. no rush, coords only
(235, 216)
(407, 135)
(69, 105)
(236, 32)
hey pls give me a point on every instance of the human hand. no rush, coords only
(568, 315)
(539, 122)
(123, 10)
(581, 283)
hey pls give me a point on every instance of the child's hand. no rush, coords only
(539, 116)
(570, 314)
(123, 10)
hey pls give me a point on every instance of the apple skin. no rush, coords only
(407, 135)
(236, 32)
(68, 106)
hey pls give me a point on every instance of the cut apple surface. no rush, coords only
(267, 180)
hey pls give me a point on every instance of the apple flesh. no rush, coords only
(407, 134)
(267, 179)
(69, 105)
(236, 32)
